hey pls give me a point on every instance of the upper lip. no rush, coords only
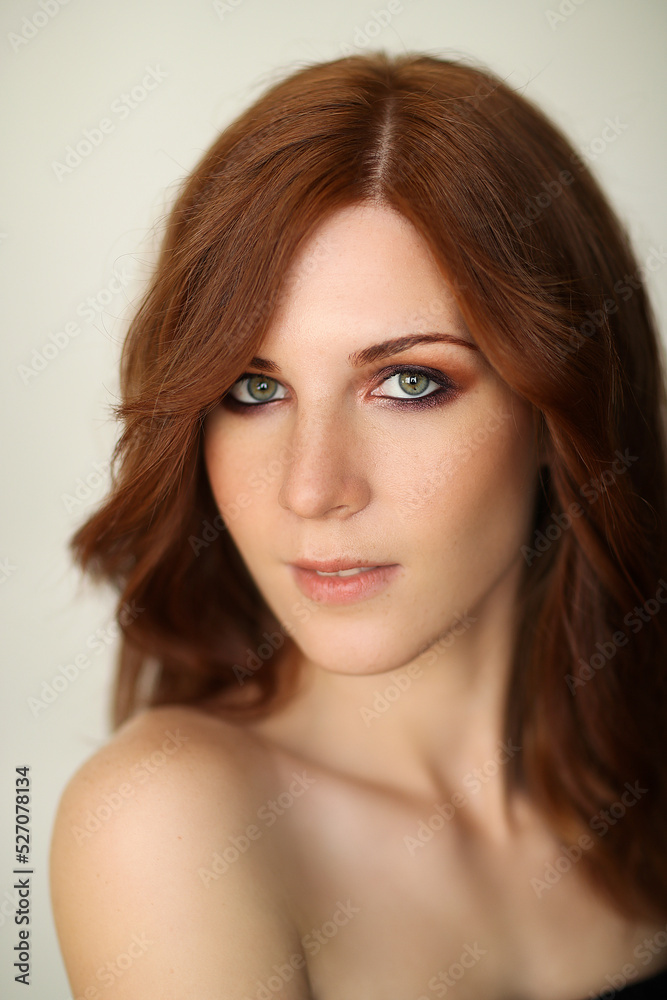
(333, 565)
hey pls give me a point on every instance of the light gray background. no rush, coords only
(62, 239)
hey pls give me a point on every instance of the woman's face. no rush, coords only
(349, 448)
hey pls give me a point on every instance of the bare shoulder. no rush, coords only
(144, 905)
(201, 748)
(169, 758)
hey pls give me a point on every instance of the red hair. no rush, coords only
(545, 278)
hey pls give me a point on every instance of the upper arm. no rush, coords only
(141, 907)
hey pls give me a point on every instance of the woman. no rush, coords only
(388, 528)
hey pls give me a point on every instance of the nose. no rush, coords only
(326, 473)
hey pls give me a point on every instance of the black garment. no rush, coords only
(653, 988)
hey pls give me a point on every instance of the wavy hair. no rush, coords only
(545, 277)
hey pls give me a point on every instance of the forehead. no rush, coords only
(366, 271)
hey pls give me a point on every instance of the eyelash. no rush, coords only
(436, 397)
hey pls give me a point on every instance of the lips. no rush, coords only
(335, 565)
(347, 589)
(345, 572)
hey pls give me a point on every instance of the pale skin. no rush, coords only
(339, 883)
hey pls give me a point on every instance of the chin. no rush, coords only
(357, 651)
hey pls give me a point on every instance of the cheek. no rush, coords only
(219, 464)
(242, 478)
(233, 459)
(475, 488)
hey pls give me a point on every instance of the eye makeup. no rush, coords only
(447, 390)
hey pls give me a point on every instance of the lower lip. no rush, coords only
(343, 589)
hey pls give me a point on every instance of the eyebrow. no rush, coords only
(378, 351)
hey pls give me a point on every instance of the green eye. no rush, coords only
(411, 382)
(410, 388)
(250, 389)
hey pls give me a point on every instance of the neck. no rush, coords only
(431, 729)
